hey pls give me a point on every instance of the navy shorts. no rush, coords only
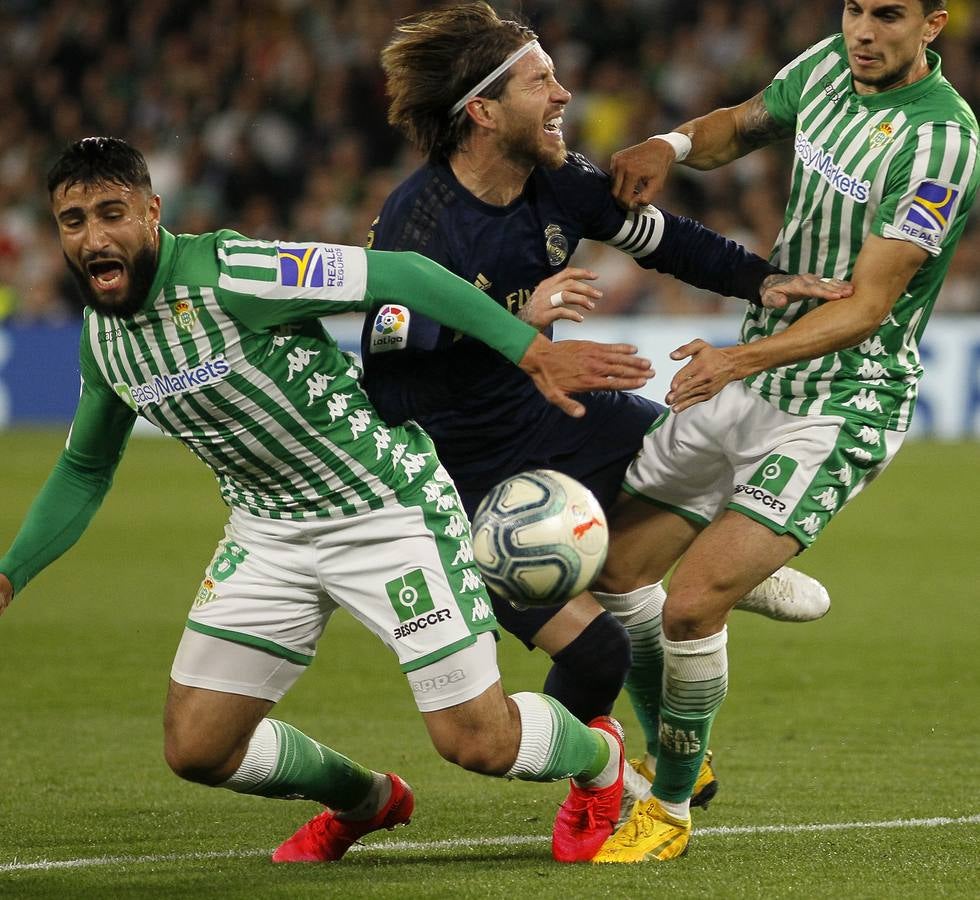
(596, 450)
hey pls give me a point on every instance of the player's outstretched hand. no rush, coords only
(572, 367)
(778, 291)
(556, 298)
(639, 172)
(709, 370)
(6, 593)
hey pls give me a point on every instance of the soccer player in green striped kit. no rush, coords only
(765, 441)
(217, 340)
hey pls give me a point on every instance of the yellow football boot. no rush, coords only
(650, 833)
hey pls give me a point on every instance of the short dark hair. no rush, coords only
(434, 59)
(100, 160)
(930, 6)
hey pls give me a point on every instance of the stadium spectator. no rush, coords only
(165, 70)
(767, 440)
(216, 339)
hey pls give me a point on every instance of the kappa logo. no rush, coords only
(481, 610)
(390, 329)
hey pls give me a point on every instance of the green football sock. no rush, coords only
(283, 762)
(554, 744)
(640, 614)
(695, 686)
(644, 684)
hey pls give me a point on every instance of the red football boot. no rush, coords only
(326, 838)
(588, 817)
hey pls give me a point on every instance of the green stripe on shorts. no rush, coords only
(237, 637)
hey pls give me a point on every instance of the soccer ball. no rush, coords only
(539, 538)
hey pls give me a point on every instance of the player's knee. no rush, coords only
(613, 580)
(475, 755)
(589, 672)
(485, 751)
(195, 761)
(686, 621)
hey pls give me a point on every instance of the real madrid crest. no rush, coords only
(185, 316)
(556, 244)
(879, 135)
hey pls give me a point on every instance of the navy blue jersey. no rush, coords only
(485, 415)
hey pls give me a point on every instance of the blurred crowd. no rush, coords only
(268, 116)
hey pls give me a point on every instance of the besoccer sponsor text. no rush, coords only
(422, 622)
(762, 496)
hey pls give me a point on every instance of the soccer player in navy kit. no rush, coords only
(501, 203)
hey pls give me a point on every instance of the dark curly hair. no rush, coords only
(99, 160)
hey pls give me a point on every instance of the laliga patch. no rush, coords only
(390, 329)
(930, 213)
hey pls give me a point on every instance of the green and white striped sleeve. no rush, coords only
(309, 280)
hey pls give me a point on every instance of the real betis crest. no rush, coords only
(185, 316)
(879, 135)
(556, 244)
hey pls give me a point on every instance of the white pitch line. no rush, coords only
(466, 843)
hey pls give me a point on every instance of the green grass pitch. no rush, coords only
(847, 748)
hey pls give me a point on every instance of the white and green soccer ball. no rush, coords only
(539, 538)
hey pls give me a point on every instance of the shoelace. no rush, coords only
(638, 826)
(583, 811)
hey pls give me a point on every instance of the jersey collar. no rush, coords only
(903, 95)
(165, 265)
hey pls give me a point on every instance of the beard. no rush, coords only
(885, 80)
(140, 276)
(524, 146)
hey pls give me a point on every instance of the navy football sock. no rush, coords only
(588, 674)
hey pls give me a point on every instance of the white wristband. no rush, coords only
(680, 142)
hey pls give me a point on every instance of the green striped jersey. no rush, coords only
(899, 164)
(229, 357)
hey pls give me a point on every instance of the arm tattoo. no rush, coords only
(756, 127)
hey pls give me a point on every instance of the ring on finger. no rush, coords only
(557, 299)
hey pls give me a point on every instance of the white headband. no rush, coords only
(493, 76)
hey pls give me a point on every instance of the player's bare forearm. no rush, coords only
(721, 136)
(881, 275)
(730, 132)
(831, 327)
(572, 367)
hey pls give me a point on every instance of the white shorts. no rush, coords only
(203, 661)
(737, 451)
(405, 571)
